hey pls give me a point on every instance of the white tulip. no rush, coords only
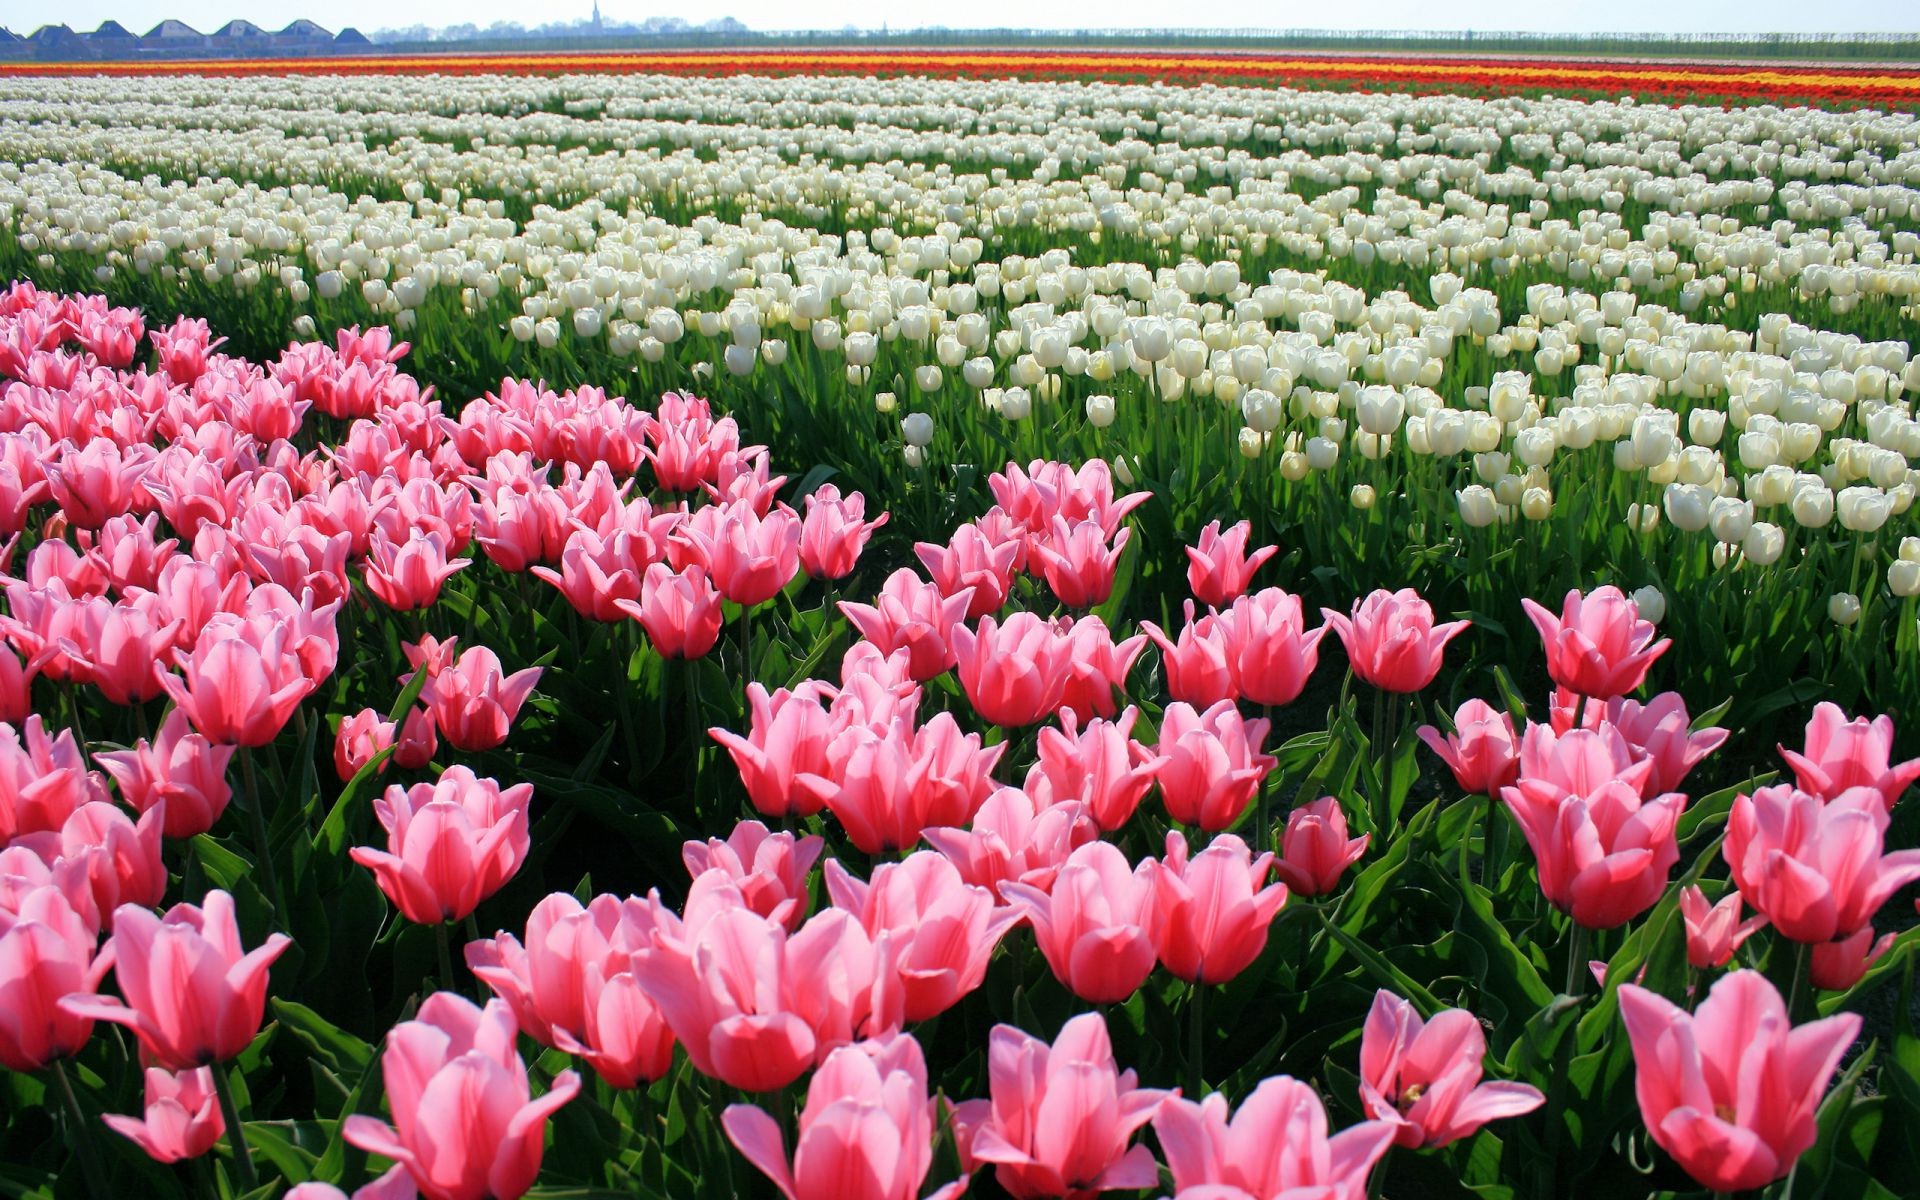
(917, 429)
(1843, 608)
(1478, 508)
(1651, 602)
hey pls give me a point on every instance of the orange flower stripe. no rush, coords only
(1893, 84)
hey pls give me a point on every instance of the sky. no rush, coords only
(1667, 16)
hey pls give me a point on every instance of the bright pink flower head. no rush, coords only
(1392, 641)
(1199, 665)
(1013, 840)
(597, 573)
(1061, 1116)
(1014, 673)
(1598, 646)
(1816, 869)
(943, 929)
(572, 985)
(1841, 754)
(465, 1123)
(179, 768)
(1097, 667)
(96, 482)
(359, 738)
(1210, 914)
(783, 758)
(193, 995)
(770, 869)
(409, 575)
(915, 615)
(1423, 1077)
(1100, 766)
(680, 612)
(1219, 570)
(866, 1132)
(396, 1184)
(1837, 966)
(242, 681)
(1079, 563)
(1714, 931)
(1659, 731)
(182, 1118)
(1603, 857)
(1275, 1148)
(1483, 751)
(1577, 763)
(1315, 850)
(834, 532)
(474, 701)
(46, 953)
(755, 1007)
(16, 686)
(748, 557)
(973, 559)
(43, 780)
(892, 785)
(118, 860)
(450, 844)
(1213, 763)
(1731, 1090)
(1269, 649)
(127, 647)
(1092, 925)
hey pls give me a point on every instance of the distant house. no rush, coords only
(239, 31)
(350, 37)
(112, 33)
(172, 37)
(58, 42)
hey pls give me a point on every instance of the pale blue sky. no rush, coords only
(1687, 16)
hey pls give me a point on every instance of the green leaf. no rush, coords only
(343, 1053)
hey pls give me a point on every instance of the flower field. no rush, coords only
(733, 633)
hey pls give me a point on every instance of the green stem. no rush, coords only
(83, 1147)
(257, 823)
(1196, 1040)
(1576, 967)
(236, 1138)
(1377, 1185)
(1800, 991)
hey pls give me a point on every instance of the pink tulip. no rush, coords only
(1213, 764)
(1014, 841)
(1208, 920)
(1061, 1116)
(46, 953)
(193, 995)
(786, 744)
(943, 929)
(1599, 646)
(681, 613)
(1714, 932)
(126, 649)
(1577, 763)
(1483, 751)
(474, 702)
(1078, 562)
(1097, 667)
(1315, 850)
(450, 844)
(360, 737)
(754, 1007)
(834, 532)
(465, 1124)
(912, 615)
(409, 575)
(572, 985)
(1816, 869)
(1731, 1090)
(1092, 925)
(96, 482)
(43, 780)
(1269, 650)
(16, 686)
(1220, 569)
(1275, 1148)
(396, 1184)
(972, 559)
(1837, 966)
(1423, 1077)
(597, 573)
(890, 786)
(1014, 674)
(182, 1117)
(1199, 665)
(1840, 754)
(119, 860)
(241, 683)
(1659, 730)
(748, 557)
(1392, 642)
(1603, 857)
(180, 769)
(1100, 766)
(866, 1132)
(770, 869)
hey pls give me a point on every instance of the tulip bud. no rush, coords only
(1843, 608)
(1100, 411)
(917, 429)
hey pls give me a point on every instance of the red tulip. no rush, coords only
(1598, 646)
(193, 995)
(474, 702)
(1423, 1077)
(1092, 923)
(465, 1123)
(182, 1118)
(1392, 641)
(1315, 850)
(1208, 920)
(1731, 1090)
